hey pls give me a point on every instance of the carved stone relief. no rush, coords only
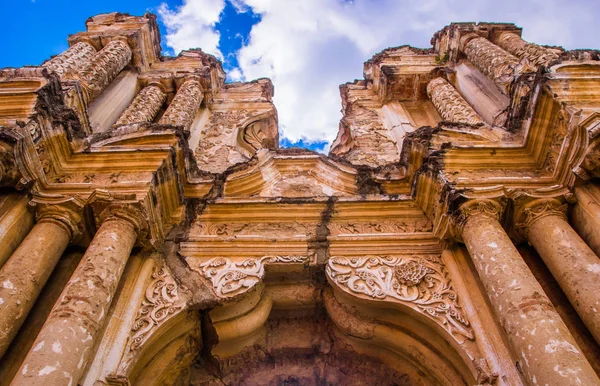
(420, 282)
(385, 226)
(281, 229)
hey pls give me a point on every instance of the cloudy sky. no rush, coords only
(307, 47)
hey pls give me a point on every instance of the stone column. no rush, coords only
(585, 217)
(144, 106)
(450, 104)
(74, 58)
(65, 344)
(537, 55)
(497, 64)
(9, 172)
(16, 220)
(103, 68)
(573, 264)
(545, 351)
(183, 108)
(27, 270)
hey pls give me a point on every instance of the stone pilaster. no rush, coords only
(183, 108)
(27, 270)
(450, 104)
(536, 55)
(144, 106)
(573, 264)
(64, 345)
(74, 58)
(103, 68)
(497, 64)
(540, 341)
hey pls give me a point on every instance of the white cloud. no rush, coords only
(309, 47)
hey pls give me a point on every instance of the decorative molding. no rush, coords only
(231, 278)
(144, 107)
(161, 302)
(280, 229)
(450, 104)
(528, 213)
(537, 55)
(421, 283)
(72, 59)
(183, 108)
(384, 226)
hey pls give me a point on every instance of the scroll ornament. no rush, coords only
(420, 283)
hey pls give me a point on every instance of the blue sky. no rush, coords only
(307, 47)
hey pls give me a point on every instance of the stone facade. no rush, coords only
(152, 232)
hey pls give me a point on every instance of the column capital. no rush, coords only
(491, 208)
(108, 207)
(65, 212)
(528, 211)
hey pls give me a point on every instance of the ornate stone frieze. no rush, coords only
(537, 55)
(493, 61)
(527, 213)
(103, 68)
(230, 278)
(144, 107)
(385, 226)
(72, 59)
(254, 229)
(421, 283)
(183, 107)
(450, 104)
(161, 302)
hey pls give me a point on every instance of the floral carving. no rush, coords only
(144, 107)
(231, 278)
(529, 213)
(161, 302)
(537, 55)
(104, 67)
(183, 108)
(281, 229)
(384, 226)
(450, 104)
(420, 283)
(72, 59)
(471, 208)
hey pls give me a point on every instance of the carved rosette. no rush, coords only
(450, 104)
(161, 302)
(103, 68)
(528, 213)
(72, 59)
(231, 278)
(144, 107)
(183, 108)
(476, 207)
(497, 64)
(421, 283)
(537, 55)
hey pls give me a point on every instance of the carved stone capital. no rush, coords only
(107, 207)
(529, 211)
(477, 207)
(67, 213)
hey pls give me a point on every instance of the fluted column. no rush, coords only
(16, 220)
(450, 104)
(64, 345)
(103, 68)
(573, 264)
(541, 343)
(497, 64)
(74, 58)
(537, 55)
(183, 108)
(144, 106)
(27, 270)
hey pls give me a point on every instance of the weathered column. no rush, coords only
(573, 264)
(183, 108)
(585, 217)
(144, 106)
(16, 220)
(537, 55)
(546, 352)
(103, 68)
(497, 64)
(74, 58)
(27, 270)
(450, 104)
(64, 345)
